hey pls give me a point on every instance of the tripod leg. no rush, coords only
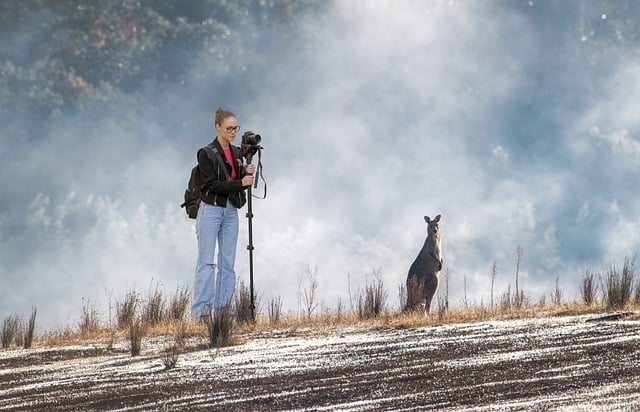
(250, 249)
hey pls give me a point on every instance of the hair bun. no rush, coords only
(222, 114)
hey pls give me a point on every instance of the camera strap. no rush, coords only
(221, 162)
(261, 176)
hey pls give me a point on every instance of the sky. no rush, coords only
(515, 121)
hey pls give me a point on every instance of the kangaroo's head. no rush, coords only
(433, 226)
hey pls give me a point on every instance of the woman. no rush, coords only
(217, 222)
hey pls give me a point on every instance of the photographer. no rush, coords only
(223, 193)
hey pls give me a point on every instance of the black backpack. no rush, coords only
(193, 193)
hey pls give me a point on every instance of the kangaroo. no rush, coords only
(424, 273)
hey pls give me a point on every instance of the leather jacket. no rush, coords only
(216, 189)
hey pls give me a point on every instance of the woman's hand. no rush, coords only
(249, 170)
(247, 180)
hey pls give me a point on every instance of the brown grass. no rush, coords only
(187, 332)
(403, 319)
(194, 334)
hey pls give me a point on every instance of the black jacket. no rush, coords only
(217, 190)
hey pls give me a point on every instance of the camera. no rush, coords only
(250, 145)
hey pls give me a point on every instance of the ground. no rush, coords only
(586, 362)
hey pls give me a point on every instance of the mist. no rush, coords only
(514, 121)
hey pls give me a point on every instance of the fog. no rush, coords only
(516, 122)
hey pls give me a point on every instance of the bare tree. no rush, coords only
(494, 272)
(519, 254)
(309, 292)
(466, 301)
(556, 298)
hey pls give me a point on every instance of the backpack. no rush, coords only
(194, 188)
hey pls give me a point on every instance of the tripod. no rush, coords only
(250, 245)
(249, 150)
(250, 249)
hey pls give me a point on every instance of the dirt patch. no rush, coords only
(569, 362)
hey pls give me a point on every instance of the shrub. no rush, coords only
(619, 285)
(154, 307)
(10, 327)
(90, 320)
(30, 328)
(18, 340)
(137, 330)
(220, 326)
(242, 304)
(373, 302)
(179, 331)
(402, 296)
(505, 299)
(442, 307)
(275, 310)
(340, 306)
(519, 299)
(126, 310)
(179, 304)
(588, 289)
(170, 357)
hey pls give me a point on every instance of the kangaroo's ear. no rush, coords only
(437, 219)
(426, 219)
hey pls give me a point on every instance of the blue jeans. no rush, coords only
(211, 290)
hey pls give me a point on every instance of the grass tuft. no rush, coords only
(179, 304)
(220, 326)
(137, 330)
(242, 304)
(90, 319)
(126, 310)
(29, 329)
(153, 311)
(618, 285)
(588, 289)
(170, 356)
(275, 310)
(372, 302)
(10, 329)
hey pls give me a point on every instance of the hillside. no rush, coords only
(585, 362)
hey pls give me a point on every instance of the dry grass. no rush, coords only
(10, 330)
(137, 330)
(242, 304)
(167, 318)
(181, 333)
(220, 326)
(618, 285)
(404, 319)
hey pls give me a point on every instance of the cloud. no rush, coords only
(499, 156)
(382, 113)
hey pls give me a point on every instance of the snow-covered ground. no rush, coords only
(562, 363)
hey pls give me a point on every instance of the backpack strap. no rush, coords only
(213, 152)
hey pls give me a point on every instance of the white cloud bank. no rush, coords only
(392, 111)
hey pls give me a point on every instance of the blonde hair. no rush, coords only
(222, 114)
